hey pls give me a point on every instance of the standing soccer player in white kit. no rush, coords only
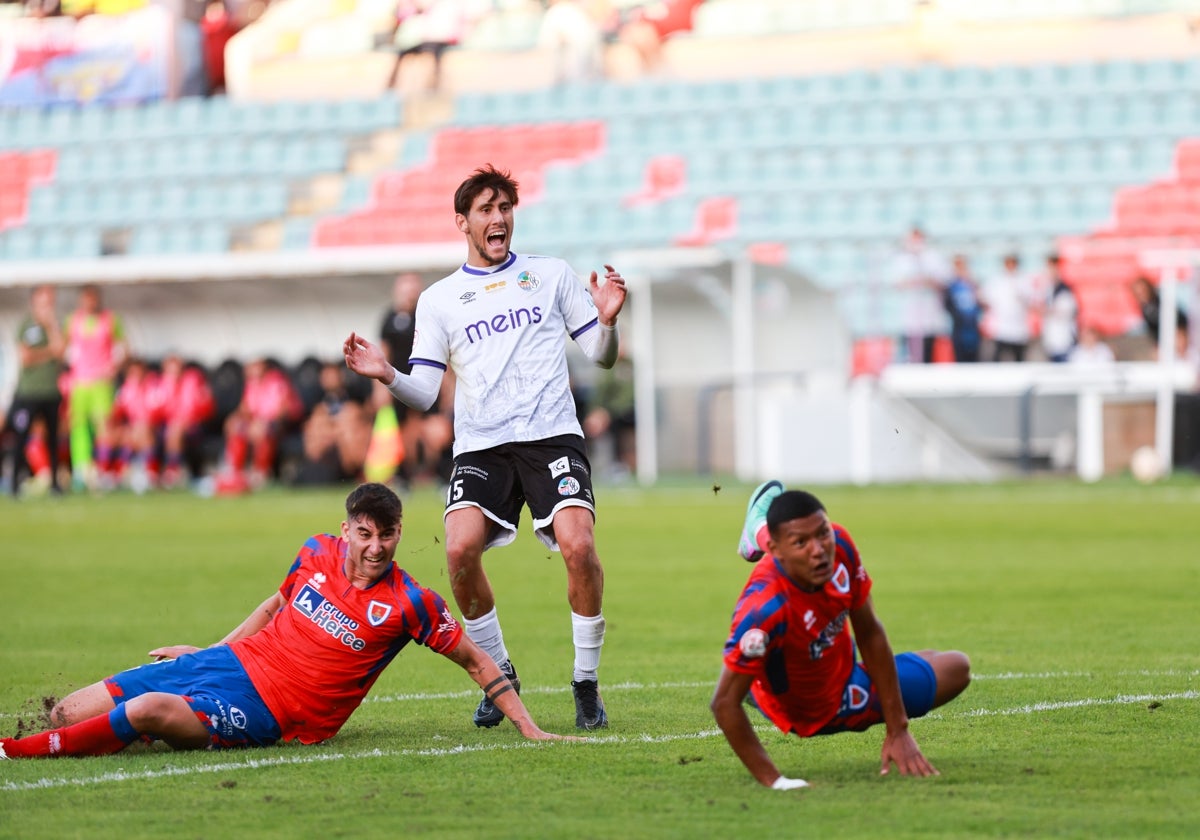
(500, 323)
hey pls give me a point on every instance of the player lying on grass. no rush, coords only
(296, 668)
(791, 651)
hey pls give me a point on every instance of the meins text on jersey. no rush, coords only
(503, 322)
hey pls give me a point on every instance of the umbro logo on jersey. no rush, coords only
(467, 297)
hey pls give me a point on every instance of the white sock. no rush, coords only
(588, 635)
(485, 631)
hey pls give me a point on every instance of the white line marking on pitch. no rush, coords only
(251, 763)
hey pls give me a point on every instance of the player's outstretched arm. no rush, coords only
(495, 684)
(610, 297)
(367, 359)
(419, 389)
(899, 746)
(730, 715)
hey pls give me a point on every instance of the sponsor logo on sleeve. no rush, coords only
(448, 623)
(753, 643)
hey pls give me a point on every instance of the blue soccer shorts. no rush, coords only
(215, 686)
(861, 708)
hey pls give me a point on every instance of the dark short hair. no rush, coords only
(789, 505)
(376, 502)
(486, 177)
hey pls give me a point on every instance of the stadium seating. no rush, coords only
(169, 177)
(823, 171)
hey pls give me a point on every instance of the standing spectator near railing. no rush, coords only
(962, 303)
(1060, 318)
(1010, 298)
(922, 272)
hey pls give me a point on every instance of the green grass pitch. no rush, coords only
(1077, 605)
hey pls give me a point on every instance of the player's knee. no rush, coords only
(150, 712)
(953, 674)
(60, 715)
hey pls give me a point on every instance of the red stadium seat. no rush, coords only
(716, 219)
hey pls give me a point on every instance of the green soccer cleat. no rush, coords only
(756, 515)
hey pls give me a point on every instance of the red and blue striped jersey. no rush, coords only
(320, 654)
(801, 672)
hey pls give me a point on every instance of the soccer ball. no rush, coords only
(1146, 465)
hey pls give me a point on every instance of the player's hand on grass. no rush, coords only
(171, 652)
(784, 783)
(901, 749)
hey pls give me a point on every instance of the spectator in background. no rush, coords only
(218, 25)
(425, 436)
(37, 401)
(185, 403)
(134, 429)
(1090, 351)
(428, 27)
(336, 434)
(254, 429)
(650, 24)
(1010, 298)
(609, 419)
(1060, 318)
(1146, 295)
(193, 77)
(961, 299)
(922, 272)
(96, 349)
(569, 30)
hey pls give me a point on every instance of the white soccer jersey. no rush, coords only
(503, 333)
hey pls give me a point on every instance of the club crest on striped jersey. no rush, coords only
(528, 281)
(841, 579)
(378, 613)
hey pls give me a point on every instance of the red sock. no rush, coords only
(37, 455)
(235, 452)
(94, 736)
(264, 455)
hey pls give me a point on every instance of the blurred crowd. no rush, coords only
(575, 31)
(1016, 314)
(90, 415)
